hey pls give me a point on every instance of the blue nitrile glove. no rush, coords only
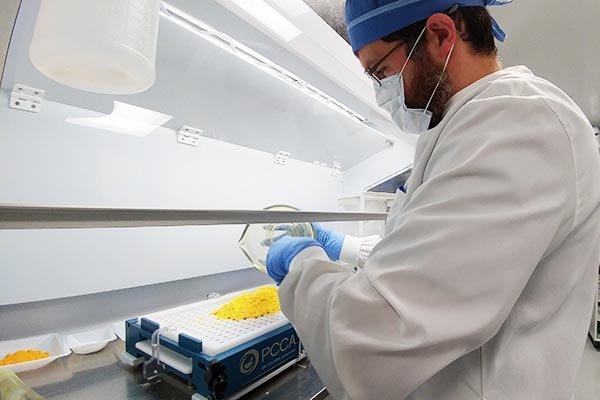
(282, 253)
(330, 240)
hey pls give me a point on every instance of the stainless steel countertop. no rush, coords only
(102, 376)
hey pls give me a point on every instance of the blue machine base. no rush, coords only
(229, 373)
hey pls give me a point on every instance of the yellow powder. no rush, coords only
(23, 355)
(257, 303)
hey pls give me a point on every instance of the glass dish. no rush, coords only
(257, 238)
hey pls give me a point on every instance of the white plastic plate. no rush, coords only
(90, 342)
(52, 343)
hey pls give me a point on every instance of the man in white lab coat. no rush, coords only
(483, 285)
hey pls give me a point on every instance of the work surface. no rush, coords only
(102, 376)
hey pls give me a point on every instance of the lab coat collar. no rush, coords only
(466, 92)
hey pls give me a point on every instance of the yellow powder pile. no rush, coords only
(22, 356)
(258, 303)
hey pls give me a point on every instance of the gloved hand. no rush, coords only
(282, 252)
(331, 241)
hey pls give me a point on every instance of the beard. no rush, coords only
(427, 75)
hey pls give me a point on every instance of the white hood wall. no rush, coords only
(46, 161)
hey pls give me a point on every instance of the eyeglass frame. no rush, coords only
(372, 69)
(370, 72)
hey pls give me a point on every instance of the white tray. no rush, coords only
(52, 343)
(90, 342)
(196, 320)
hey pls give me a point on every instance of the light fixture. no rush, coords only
(269, 18)
(125, 118)
(245, 53)
(293, 8)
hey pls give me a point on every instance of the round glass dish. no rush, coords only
(257, 238)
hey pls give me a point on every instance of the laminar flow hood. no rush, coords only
(220, 69)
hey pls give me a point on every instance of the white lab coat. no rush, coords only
(482, 287)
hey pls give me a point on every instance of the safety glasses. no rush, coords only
(372, 71)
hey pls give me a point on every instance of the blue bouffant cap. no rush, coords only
(370, 20)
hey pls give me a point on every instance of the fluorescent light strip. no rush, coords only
(245, 53)
(270, 18)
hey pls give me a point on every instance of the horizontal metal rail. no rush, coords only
(26, 217)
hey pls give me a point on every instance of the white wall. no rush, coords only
(46, 161)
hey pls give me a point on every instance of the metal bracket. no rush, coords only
(188, 135)
(130, 360)
(26, 98)
(336, 170)
(281, 157)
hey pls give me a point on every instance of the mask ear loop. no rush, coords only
(439, 80)
(412, 50)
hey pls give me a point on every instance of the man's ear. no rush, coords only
(441, 35)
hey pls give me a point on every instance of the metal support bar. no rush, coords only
(323, 393)
(25, 217)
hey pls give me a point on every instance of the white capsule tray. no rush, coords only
(196, 320)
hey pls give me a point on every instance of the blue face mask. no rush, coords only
(390, 96)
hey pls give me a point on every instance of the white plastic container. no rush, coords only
(52, 343)
(368, 202)
(102, 46)
(90, 342)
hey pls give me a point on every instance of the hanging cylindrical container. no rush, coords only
(102, 46)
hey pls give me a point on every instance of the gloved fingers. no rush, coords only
(320, 232)
(317, 227)
(277, 265)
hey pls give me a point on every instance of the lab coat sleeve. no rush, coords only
(494, 198)
(356, 250)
